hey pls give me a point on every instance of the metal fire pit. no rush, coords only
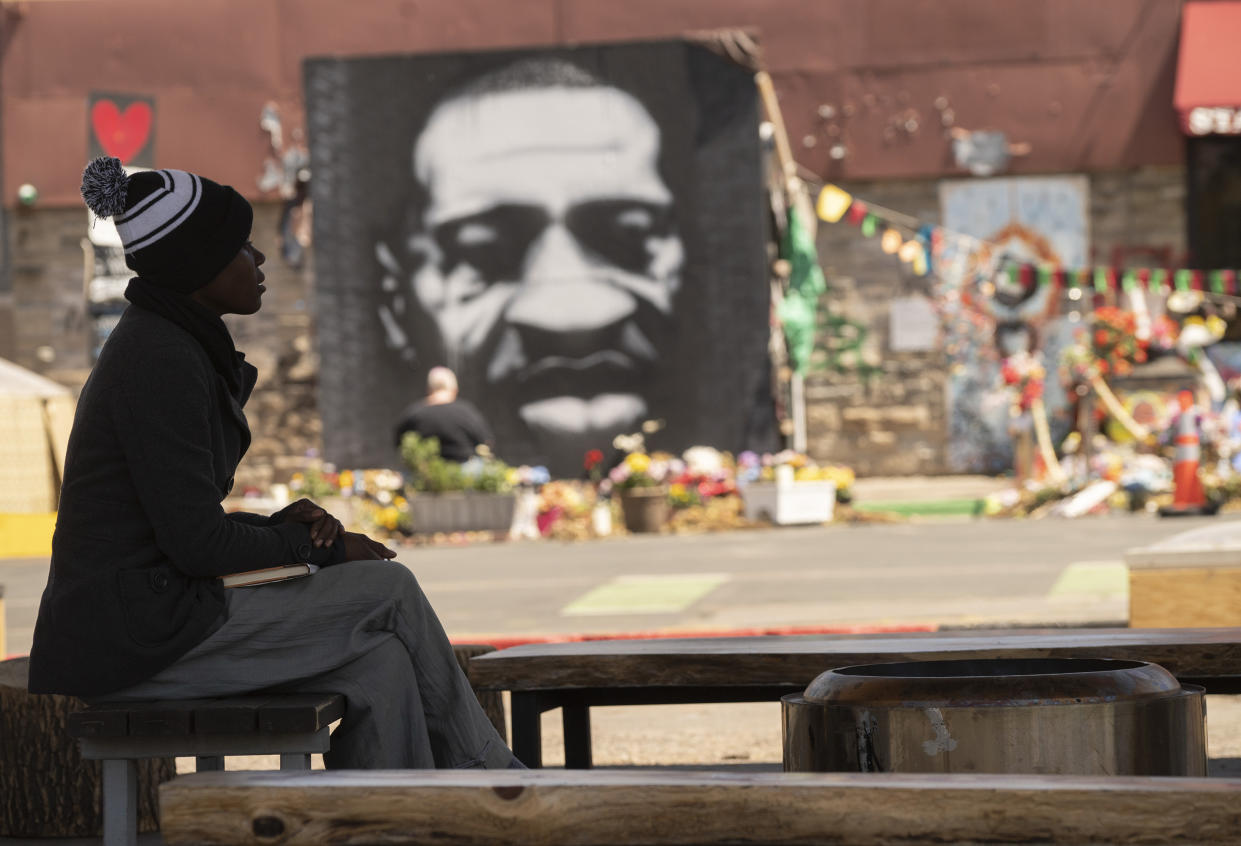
(1054, 715)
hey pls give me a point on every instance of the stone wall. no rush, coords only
(52, 333)
(885, 412)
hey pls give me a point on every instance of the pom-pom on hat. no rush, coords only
(179, 229)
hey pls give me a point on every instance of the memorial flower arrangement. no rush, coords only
(706, 473)
(1024, 375)
(640, 470)
(753, 467)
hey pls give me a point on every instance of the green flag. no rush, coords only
(801, 300)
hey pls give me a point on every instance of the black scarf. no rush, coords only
(205, 326)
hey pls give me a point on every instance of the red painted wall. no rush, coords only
(1087, 84)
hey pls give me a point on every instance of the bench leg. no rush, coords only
(575, 717)
(120, 802)
(209, 763)
(295, 761)
(527, 733)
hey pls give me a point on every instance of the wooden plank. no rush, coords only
(238, 715)
(300, 712)
(1153, 558)
(543, 808)
(98, 723)
(1185, 596)
(160, 719)
(798, 659)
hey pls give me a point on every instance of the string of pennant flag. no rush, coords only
(917, 244)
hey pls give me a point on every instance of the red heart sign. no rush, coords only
(121, 134)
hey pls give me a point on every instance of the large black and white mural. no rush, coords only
(578, 233)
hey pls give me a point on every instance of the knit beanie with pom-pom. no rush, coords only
(179, 229)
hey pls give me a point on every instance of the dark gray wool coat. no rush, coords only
(141, 537)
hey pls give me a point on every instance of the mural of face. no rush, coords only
(549, 254)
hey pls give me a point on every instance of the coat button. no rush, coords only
(303, 551)
(159, 581)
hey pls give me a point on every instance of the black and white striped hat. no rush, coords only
(179, 229)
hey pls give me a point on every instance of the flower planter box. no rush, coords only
(790, 503)
(461, 511)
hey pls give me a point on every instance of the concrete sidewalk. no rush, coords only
(875, 489)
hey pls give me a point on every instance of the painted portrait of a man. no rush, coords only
(548, 247)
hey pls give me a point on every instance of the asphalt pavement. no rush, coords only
(916, 574)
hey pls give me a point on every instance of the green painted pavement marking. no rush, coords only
(659, 594)
(929, 508)
(1098, 578)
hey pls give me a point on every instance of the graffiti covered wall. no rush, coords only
(578, 233)
(1038, 220)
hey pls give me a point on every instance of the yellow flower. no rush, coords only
(511, 475)
(677, 490)
(638, 462)
(389, 517)
(400, 502)
(345, 479)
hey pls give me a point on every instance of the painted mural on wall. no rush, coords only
(1027, 220)
(122, 126)
(578, 233)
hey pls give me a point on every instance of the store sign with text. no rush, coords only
(1213, 120)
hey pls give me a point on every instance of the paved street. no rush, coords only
(945, 572)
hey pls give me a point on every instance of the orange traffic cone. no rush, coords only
(1188, 497)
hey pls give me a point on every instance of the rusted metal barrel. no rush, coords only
(1050, 715)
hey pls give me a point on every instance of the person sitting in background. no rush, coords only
(457, 424)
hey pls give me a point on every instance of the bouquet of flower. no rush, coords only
(1023, 375)
(1114, 341)
(640, 470)
(706, 473)
(593, 465)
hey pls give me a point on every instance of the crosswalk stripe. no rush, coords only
(645, 594)
(1094, 578)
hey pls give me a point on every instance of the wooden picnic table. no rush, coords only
(578, 676)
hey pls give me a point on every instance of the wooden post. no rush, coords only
(46, 788)
(799, 198)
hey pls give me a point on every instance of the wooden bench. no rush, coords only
(577, 676)
(119, 734)
(652, 807)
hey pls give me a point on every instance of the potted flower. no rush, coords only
(640, 482)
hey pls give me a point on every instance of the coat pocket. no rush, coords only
(157, 603)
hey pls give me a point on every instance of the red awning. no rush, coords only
(1208, 74)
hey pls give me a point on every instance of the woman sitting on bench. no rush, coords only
(134, 607)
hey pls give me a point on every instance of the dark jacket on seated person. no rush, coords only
(458, 425)
(141, 538)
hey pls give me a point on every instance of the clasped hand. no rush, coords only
(326, 529)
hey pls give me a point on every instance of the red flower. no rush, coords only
(593, 457)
